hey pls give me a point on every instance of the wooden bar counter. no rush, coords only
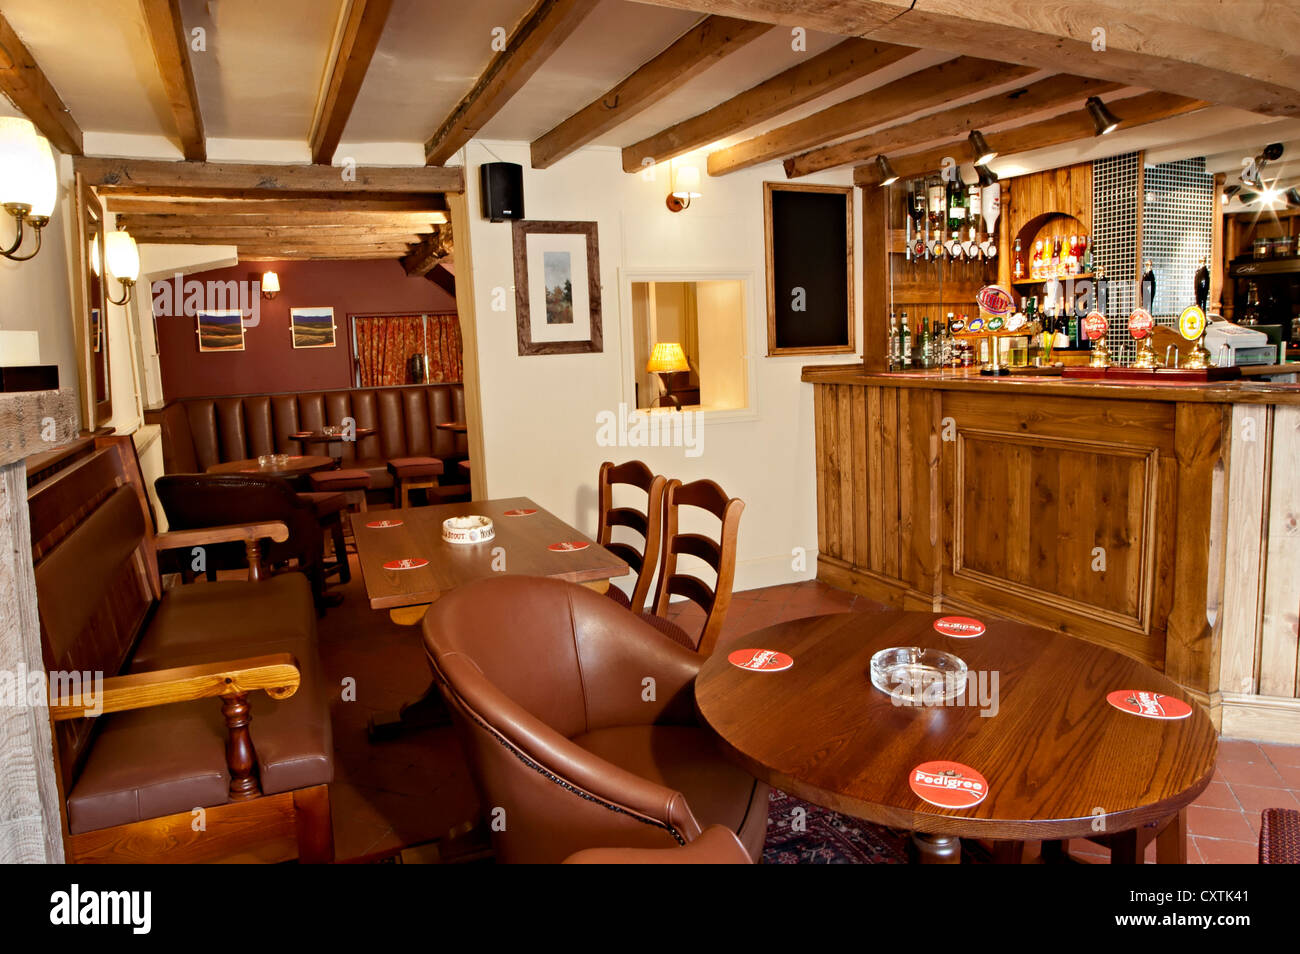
(1160, 520)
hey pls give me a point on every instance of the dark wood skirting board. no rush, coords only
(980, 499)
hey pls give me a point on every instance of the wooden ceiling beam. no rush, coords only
(363, 24)
(22, 80)
(246, 179)
(411, 221)
(841, 64)
(398, 204)
(431, 250)
(290, 248)
(171, 50)
(321, 256)
(1055, 92)
(928, 88)
(535, 38)
(1233, 54)
(236, 235)
(706, 43)
(1068, 127)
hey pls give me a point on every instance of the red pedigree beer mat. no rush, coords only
(523, 512)
(963, 627)
(383, 524)
(409, 563)
(760, 660)
(567, 547)
(948, 784)
(1149, 705)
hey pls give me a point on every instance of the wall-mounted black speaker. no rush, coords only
(502, 185)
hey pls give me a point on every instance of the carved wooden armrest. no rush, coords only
(278, 675)
(250, 534)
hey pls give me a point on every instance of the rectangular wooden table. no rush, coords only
(520, 546)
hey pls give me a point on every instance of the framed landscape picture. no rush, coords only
(312, 327)
(557, 288)
(221, 330)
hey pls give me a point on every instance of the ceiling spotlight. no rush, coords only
(1273, 151)
(1102, 118)
(986, 176)
(980, 149)
(887, 174)
(1270, 197)
(1292, 196)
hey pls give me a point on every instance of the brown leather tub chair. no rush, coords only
(546, 684)
(199, 501)
(715, 846)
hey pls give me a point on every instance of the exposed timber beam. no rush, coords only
(1055, 92)
(843, 63)
(931, 87)
(411, 221)
(155, 177)
(342, 234)
(543, 29)
(363, 23)
(1068, 127)
(413, 203)
(709, 41)
(429, 252)
(1233, 54)
(444, 276)
(171, 49)
(23, 82)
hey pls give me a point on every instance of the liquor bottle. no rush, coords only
(974, 195)
(926, 344)
(1072, 256)
(895, 343)
(1201, 286)
(1018, 262)
(1148, 286)
(1036, 261)
(1072, 324)
(1087, 254)
(935, 196)
(956, 203)
(944, 350)
(1251, 314)
(1054, 269)
(905, 349)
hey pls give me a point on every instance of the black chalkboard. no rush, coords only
(809, 268)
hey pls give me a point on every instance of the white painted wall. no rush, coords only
(539, 412)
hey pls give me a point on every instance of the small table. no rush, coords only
(1060, 761)
(520, 541)
(296, 466)
(333, 442)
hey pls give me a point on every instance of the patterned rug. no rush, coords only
(800, 833)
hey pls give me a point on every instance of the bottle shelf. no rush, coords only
(1041, 281)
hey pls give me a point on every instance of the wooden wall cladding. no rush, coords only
(1067, 190)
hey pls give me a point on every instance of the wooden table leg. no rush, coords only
(1171, 843)
(1125, 848)
(408, 615)
(928, 849)
(1008, 852)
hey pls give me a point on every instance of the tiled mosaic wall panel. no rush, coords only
(1177, 220)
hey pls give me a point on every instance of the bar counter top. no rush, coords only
(1242, 391)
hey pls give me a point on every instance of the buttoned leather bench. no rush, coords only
(212, 696)
(200, 432)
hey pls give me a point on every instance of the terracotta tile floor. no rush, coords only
(392, 795)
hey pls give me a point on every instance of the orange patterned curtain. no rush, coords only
(385, 345)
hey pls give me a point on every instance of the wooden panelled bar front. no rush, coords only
(1163, 522)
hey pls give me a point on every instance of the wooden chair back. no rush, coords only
(648, 524)
(719, 554)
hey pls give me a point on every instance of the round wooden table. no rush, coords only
(296, 466)
(1060, 761)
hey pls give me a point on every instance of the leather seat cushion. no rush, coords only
(408, 467)
(686, 758)
(215, 622)
(147, 763)
(349, 479)
(326, 503)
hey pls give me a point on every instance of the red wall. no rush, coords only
(269, 362)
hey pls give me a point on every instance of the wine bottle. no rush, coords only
(956, 203)
(1148, 286)
(1201, 286)
(927, 344)
(1018, 262)
(905, 348)
(895, 344)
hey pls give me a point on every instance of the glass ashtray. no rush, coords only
(920, 677)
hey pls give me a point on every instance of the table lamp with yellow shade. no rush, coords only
(667, 358)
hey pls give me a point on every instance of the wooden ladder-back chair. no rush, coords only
(719, 554)
(649, 525)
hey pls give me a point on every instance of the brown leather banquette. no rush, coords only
(212, 704)
(200, 432)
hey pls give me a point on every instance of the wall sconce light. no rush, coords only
(686, 186)
(980, 148)
(270, 285)
(887, 174)
(122, 257)
(29, 182)
(668, 358)
(1102, 118)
